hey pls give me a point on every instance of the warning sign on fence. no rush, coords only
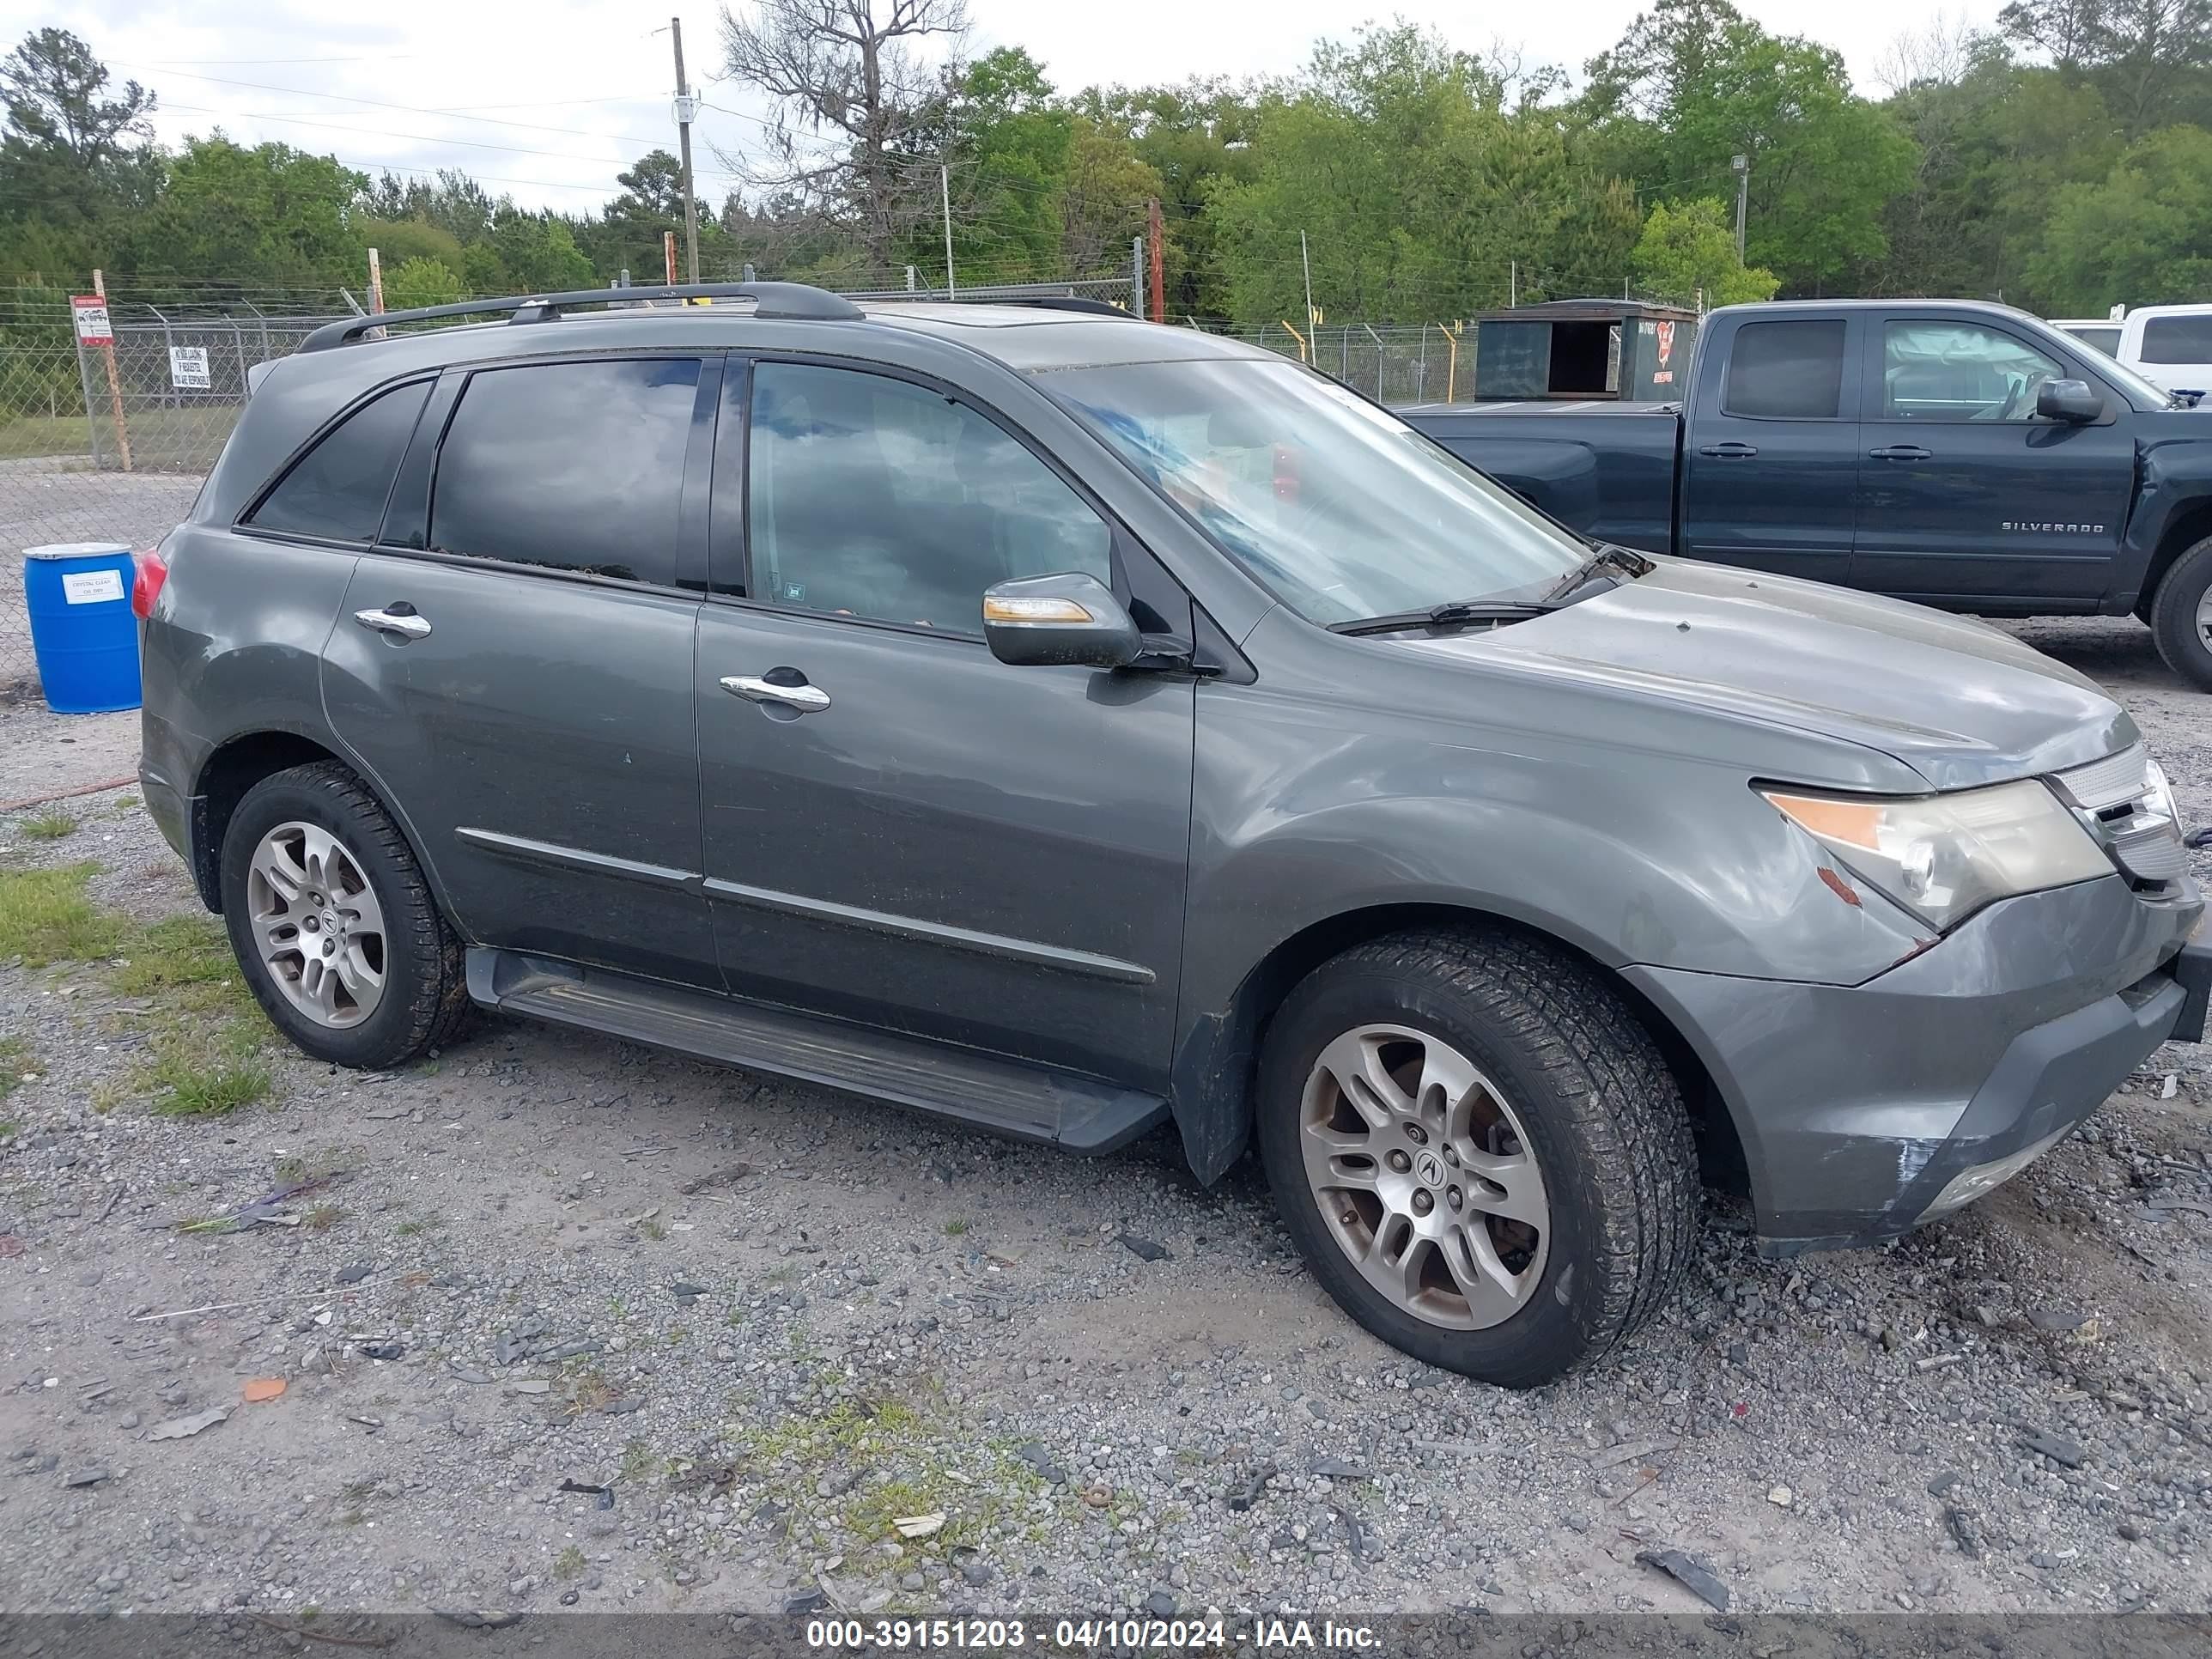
(93, 328)
(188, 368)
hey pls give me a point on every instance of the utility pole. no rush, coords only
(1512, 284)
(687, 110)
(1306, 263)
(944, 200)
(1742, 167)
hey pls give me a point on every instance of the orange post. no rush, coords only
(114, 381)
(1154, 236)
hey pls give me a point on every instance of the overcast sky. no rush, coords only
(564, 93)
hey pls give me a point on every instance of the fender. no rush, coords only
(1305, 839)
(2173, 510)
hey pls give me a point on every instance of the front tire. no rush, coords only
(1479, 1151)
(2181, 616)
(333, 926)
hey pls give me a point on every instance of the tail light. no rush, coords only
(146, 587)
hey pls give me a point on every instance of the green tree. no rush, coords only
(265, 217)
(399, 240)
(1997, 145)
(537, 253)
(75, 161)
(1690, 250)
(1189, 135)
(1694, 82)
(420, 282)
(2140, 235)
(1417, 192)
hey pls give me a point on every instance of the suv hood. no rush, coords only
(1959, 701)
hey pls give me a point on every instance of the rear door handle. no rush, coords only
(400, 620)
(806, 699)
(1902, 453)
(1730, 451)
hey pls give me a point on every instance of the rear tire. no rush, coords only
(315, 833)
(1397, 1192)
(2181, 616)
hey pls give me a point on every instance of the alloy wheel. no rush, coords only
(317, 923)
(1424, 1176)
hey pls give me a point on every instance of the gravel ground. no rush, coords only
(772, 1322)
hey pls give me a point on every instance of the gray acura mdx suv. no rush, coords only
(1070, 725)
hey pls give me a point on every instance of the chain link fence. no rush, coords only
(110, 443)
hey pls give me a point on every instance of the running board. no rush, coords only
(1026, 1103)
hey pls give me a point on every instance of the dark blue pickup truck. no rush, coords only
(1963, 455)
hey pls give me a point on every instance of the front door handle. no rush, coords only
(1902, 453)
(1730, 451)
(400, 620)
(806, 699)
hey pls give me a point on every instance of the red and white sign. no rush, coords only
(1666, 342)
(90, 311)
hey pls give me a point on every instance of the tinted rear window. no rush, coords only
(577, 467)
(1786, 371)
(336, 490)
(2178, 340)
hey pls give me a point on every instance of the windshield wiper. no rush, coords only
(1628, 564)
(1451, 614)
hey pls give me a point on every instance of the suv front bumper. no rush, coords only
(1864, 1110)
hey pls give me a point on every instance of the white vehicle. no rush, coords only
(2169, 346)
(2102, 332)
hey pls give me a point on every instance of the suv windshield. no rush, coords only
(1342, 510)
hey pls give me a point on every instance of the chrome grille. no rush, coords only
(2122, 800)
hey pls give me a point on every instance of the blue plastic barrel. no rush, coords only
(82, 629)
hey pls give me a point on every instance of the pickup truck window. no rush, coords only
(1336, 506)
(1952, 371)
(1786, 371)
(2178, 340)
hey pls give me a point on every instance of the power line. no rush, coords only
(455, 114)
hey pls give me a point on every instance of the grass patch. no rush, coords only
(955, 1228)
(15, 1061)
(569, 1563)
(46, 917)
(204, 1034)
(323, 1218)
(49, 826)
(207, 1033)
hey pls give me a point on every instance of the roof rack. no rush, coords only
(789, 301)
(1066, 303)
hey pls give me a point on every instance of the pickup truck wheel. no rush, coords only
(2181, 616)
(1479, 1151)
(332, 924)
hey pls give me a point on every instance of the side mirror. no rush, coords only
(1067, 620)
(2069, 400)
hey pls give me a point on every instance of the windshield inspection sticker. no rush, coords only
(92, 586)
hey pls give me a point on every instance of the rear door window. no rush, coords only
(568, 466)
(2178, 340)
(336, 490)
(1786, 371)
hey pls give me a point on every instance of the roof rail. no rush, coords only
(1071, 303)
(791, 301)
(1037, 301)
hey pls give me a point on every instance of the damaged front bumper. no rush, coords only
(1864, 1110)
